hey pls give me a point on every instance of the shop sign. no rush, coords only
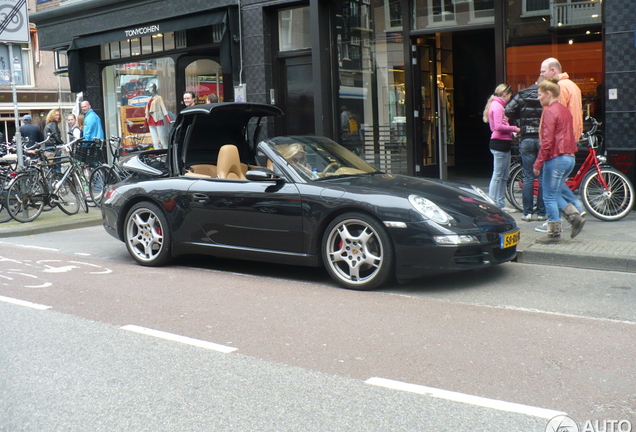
(139, 101)
(142, 31)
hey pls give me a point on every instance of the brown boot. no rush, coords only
(554, 233)
(572, 215)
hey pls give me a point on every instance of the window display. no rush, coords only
(134, 85)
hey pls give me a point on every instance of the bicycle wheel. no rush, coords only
(101, 178)
(607, 205)
(4, 214)
(514, 188)
(79, 185)
(68, 197)
(25, 198)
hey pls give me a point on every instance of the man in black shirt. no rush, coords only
(30, 132)
(526, 109)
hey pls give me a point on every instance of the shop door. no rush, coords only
(432, 101)
(297, 98)
(203, 76)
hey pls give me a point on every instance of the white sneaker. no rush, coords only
(527, 218)
(543, 228)
(509, 209)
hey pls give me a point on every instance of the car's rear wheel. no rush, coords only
(147, 235)
(357, 252)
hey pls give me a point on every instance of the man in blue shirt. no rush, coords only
(92, 123)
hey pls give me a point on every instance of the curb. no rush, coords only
(577, 260)
(51, 221)
(582, 252)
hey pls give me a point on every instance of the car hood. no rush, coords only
(457, 199)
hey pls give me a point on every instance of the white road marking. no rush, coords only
(63, 269)
(24, 303)
(181, 339)
(465, 398)
(44, 285)
(104, 269)
(30, 247)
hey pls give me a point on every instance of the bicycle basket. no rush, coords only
(89, 152)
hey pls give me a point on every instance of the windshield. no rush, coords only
(315, 158)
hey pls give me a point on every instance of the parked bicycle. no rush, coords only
(606, 193)
(39, 185)
(7, 173)
(110, 174)
(9, 170)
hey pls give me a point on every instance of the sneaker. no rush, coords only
(543, 228)
(542, 217)
(509, 209)
(527, 218)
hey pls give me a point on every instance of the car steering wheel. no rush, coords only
(335, 165)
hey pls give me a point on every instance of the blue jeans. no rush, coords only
(500, 172)
(528, 150)
(556, 194)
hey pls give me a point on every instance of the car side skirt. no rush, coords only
(250, 254)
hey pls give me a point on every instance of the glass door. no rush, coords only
(297, 101)
(433, 101)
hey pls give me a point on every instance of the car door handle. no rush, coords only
(200, 198)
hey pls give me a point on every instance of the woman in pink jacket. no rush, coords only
(500, 141)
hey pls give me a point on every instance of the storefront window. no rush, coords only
(577, 46)
(444, 13)
(127, 90)
(133, 47)
(294, 29)
(371, 99)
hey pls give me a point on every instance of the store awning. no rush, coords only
(150, 28)
(76, 64)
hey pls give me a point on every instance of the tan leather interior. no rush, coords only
(208, 170)
(228, 165)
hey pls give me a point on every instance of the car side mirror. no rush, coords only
(262, 174)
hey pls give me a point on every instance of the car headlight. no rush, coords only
(429, 209)
(455, 240)
(483, 194)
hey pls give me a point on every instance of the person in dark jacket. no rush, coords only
(526, 109)
(52, 127)
(31, 134)
(52, 130)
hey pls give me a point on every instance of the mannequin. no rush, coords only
(157, 118)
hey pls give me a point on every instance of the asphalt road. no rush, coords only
(554, 338)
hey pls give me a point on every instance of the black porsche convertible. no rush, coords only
(305, 200)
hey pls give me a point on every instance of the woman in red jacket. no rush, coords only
(556, 157)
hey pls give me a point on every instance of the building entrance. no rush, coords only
(454, 74)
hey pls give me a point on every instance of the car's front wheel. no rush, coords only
(147, 235)
(357, 252)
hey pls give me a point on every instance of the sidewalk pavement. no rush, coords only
(601, 245)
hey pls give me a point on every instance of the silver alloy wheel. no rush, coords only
(144, 235)
(354, 252)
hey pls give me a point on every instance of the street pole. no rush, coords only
(16, 113)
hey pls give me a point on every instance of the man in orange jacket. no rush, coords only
(570, 95)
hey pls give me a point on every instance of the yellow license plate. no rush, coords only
(509, 239)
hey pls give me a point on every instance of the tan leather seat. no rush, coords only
(228, 165)
(209, 170)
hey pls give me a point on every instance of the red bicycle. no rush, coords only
(606, 193)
